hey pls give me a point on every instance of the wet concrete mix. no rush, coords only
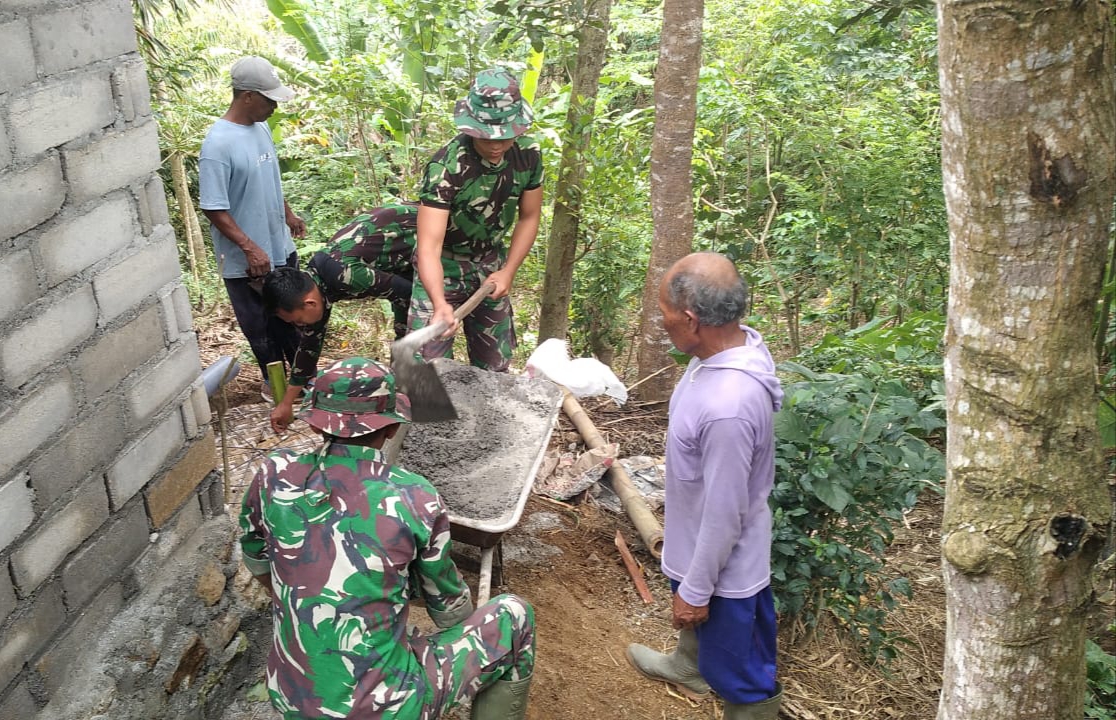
(481, 462)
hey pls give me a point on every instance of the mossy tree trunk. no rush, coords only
(561, 249)
(1028, 158)
(672, 152)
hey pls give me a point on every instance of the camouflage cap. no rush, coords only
(494, 109)
(354, 397)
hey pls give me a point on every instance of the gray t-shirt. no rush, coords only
(238, 171)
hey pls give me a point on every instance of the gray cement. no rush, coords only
(482, 461)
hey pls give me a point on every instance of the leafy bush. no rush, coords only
(850, 459)
(910, 351)
(1100, 679)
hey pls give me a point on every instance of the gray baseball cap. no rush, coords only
(255, 73)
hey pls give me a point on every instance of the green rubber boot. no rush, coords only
(679, 669)
(764, 710)
(502, 700)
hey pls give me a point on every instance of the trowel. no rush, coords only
(429, 400)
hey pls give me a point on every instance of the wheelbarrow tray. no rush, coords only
(484, 463)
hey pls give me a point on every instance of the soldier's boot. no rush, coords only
(502, 700)
(764, 710)
(679, 669)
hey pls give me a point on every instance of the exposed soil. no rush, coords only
(562, 558)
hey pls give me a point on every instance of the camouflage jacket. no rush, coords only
(359, 262)
(483, 199)
(348, 541)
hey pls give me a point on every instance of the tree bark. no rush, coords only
(561, 250)
(194, 246)
(1028, 162)
(672, 150)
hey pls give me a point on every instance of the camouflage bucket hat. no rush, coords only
(354, 397)
(494, 109)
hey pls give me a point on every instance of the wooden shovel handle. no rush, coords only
(469, 305)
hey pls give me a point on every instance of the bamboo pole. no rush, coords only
(641, 516)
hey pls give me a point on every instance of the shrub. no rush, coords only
(850, 459)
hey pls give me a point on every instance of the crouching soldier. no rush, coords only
(343, 542)
(371, 257)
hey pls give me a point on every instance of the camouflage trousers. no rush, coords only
(489, 329)
(496, 642)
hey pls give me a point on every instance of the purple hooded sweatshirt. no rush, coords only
(720, 465)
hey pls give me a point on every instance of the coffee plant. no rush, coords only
(851, 457)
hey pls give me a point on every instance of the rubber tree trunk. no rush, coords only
(1028, 162)
(672, 207)
(561, 249)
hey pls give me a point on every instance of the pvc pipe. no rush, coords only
(219, 373)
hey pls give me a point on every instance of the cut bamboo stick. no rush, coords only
(650, 531)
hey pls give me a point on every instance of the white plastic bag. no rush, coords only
(584, 377)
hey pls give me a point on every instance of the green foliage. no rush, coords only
(835, 134)
(850, 460)
(910, 351)
(1100, 681)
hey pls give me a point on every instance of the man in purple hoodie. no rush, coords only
(720, 465)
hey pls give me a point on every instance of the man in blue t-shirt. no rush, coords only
(242, 195)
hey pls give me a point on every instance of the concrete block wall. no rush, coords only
(103, 421)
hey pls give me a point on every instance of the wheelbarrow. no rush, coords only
(483, 464)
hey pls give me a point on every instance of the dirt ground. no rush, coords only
(562, 558)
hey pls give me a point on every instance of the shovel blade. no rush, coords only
(429, 400)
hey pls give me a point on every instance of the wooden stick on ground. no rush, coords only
(633, 569)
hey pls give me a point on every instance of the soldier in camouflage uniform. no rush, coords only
(472, 191)
(343, 542)
(371, 257)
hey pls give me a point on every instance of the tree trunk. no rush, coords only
(194, 246)
(672, 150)
(561, 250)
(1028, 161)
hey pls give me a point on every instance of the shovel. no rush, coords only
(429, 400)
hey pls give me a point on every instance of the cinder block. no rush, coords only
(83, 34)
(26, 426)
(30, 631)
(167, 494)
(77, 242)
(7, 596)
(162, 383)
(120, 351)
(58, 535)
(114, 161)
(30, 195)
(17, 509)
(141, 461)
(59, 665)
(200, 400)
(18, 704)
(189, 421)
(177, 539)
(17, 56)
(140, 274)
(83, 450)
(182, 313)
(17, 277)
(51, 332)
(40, 121)
(105, 557)
(5, 147)
(129, 86)
(153, 205)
